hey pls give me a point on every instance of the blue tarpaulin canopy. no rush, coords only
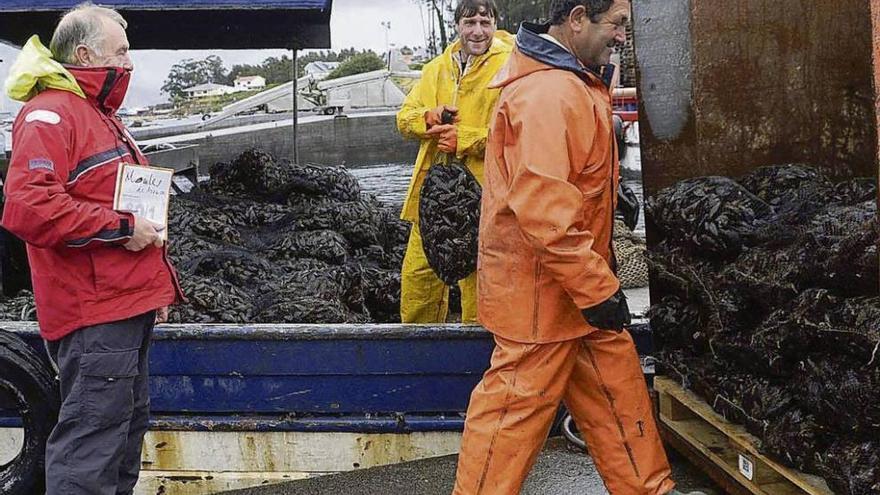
(193, 24)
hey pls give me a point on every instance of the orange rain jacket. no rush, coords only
(550, 190)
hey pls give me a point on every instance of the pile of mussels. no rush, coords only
(267, 241)
(771, 312)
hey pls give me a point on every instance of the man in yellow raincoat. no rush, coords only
(458, 81)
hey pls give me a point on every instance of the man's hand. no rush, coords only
(145, 233)
(162, 314)
(446, 136)
(611, 314)
(434, 117)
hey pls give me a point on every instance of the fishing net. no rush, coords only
(852, 466)
(629, 250)
(357, 221)
(710, 215)
(795, 187)
(186, 216)
(449, 219)
(325, 245)
(675, 324)
(771, 311)
(300, 244)
(844, 240)
(317, 278)
(259, 173)
(212, 299)
(797, 438)
(856, 190)
(382, 293)
(21, 307)
(848, 395)
(284, 307)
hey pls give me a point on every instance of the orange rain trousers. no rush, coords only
(600, 380)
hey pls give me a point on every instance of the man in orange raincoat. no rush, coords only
(546, 281)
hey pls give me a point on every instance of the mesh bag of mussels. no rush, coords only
(449, 219)
(771, 312)
(268, 241)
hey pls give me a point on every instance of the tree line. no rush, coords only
(440, 31)
(276, 70)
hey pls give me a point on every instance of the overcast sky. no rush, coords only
(353, 23)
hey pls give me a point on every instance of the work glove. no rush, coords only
(610, 314)
(435, 117)
(446, 136)
(627, 206)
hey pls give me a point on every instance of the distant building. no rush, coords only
(208, 89)
(420, 54)
(319, 69)
(246, 83)
(400, 58)
(407, 54)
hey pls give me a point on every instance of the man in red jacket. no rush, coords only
(101, 278)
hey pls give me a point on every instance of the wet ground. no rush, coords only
(561, 469)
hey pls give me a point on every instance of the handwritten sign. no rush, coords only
(145, 192)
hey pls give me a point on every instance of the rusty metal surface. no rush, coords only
(875, 38)
(727, 86)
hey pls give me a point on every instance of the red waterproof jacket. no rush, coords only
(59, 198)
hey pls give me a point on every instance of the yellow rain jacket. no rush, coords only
(424, 298)
(440, 85)
(34, 71)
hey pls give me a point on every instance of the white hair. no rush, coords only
(82, 25)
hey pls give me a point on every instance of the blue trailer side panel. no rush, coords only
(392, 378)
(316, 369)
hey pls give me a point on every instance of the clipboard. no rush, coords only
(145, 192)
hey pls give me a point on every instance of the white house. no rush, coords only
(208, 89)
(245, 83)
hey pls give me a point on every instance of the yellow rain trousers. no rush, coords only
(424, 297)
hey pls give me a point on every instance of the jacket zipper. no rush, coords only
(614, 155)
(118, 131)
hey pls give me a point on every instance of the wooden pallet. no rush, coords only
(725, 451)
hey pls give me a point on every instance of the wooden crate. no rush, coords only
(725, 451)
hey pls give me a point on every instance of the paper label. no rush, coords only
(145, 192)
(746, 467)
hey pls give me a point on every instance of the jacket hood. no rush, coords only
(35, 71)
(534, 53)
